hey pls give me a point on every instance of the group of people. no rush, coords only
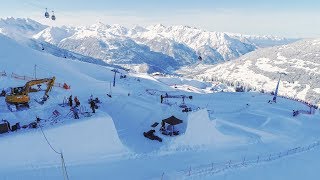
(76, 101)
(75, 108)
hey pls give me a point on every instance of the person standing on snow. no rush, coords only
(76, 100)
(93, 106)
(70, 100)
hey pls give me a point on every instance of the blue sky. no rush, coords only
(275, 17)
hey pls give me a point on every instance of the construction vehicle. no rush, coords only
(19, 96)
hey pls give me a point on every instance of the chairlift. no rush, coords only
(53, 17)
(46, 14)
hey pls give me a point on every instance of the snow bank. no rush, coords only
(83, 141)
(200, 131)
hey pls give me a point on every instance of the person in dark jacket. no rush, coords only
(93, 106)
(70, 100)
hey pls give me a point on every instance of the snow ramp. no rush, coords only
(201, 132)
(89, 140)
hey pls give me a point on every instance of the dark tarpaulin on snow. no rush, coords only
(4, 127)
(172, 120)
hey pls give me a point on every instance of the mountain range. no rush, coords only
(150, 49)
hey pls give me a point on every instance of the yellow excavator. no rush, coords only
(19, 95)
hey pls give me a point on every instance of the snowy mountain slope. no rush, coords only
(236, 124)
(120, 51)
(150, 49)
(17, 27)
(181, 43)
(63, 53)
(259, 69)
(22, 30)
(212, 46)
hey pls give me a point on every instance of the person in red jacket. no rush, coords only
(76, 100)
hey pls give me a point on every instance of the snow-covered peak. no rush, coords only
(101, 31)
(118, 30)
(20, 26)
(54, 35)
(98, 26)
(156, 27)
(135, 30)
(32, 25)
(138, 28)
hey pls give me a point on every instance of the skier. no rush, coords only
(93, 106)
(70, 100)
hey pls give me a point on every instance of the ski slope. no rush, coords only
(110, 145)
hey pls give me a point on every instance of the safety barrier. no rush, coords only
(83, 109)
(215, 168)
(16, 76)
(3, 73)
(248, 87)
(301, 101)
(228, 112)
(158, 92)
(27, 78)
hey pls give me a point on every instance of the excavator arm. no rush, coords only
(39, 81)
(49, 87)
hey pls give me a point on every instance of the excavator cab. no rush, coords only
(19, 95)
(17, 90)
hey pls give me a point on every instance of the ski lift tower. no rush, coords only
(114, 77)
(277, 88)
